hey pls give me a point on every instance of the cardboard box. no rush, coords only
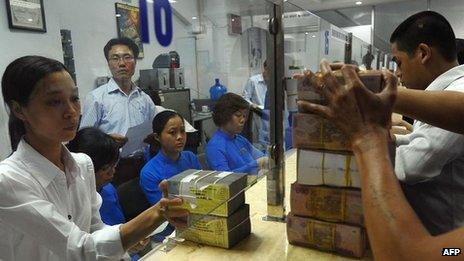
(314, 132)
(339, 238)
(219, 231)
(371, 79)
(332, 204)
(323, 168)
(209, 192)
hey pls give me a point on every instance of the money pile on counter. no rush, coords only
(326, 209)
(216, 202)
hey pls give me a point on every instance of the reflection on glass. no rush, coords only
(237, 59)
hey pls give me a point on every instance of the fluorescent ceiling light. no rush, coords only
(170, 1)
(194, 18)
(359, 3)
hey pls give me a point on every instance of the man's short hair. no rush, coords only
(460, 50)
(121, 41)
(226, 106)
(426, 27)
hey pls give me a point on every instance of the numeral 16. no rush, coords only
(159, 6)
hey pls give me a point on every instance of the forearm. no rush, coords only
(439, 108)
(392, 225)
(140, 227)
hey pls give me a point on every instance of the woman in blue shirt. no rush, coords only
(103, 150)
(227, 150)
(169, 132)
(104, 153)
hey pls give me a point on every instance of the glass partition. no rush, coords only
(233, 47)
(219, 43)
(389, 15)
(452, 10)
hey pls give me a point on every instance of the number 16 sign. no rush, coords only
(164, 37)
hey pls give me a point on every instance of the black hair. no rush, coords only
(121, 41)
(426, 27)
(18, 83)
(160, 120)
(460, 50)
(226, 106)
(99, 146)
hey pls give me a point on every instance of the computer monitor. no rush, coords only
(178, 100)
(199, 103)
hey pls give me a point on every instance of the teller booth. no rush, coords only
(247, 45)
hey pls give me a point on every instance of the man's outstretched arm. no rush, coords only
(444, 109)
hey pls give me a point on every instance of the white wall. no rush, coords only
(453, 10)
(363, 32)
(92, 24)
(19, 43)
(336, 46)
(221, 55)
(389, 16)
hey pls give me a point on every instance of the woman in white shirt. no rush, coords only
(49, 207)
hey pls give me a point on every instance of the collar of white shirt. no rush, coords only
(445, 79)
(46, 170)
(258, 78)
(113, 87)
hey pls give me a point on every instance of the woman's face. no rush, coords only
(237, 122)
(173, 136)
(52, 113)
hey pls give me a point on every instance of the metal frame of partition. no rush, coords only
(276, 176)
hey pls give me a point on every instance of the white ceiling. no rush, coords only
(318, 5)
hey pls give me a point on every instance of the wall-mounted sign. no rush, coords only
(326, 42)
(235, 24)
(26, 15)
(128, 22)
(163, 29)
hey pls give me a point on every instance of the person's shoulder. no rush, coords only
(99, 91)
(242, 139)
(458, 84)
(97, 95)
(189, 154)
(83, 161)
(14, 173)
(217, 141)
(8, 167)
(145, 96)
(256, 78)
(108, 189)
(153, 166)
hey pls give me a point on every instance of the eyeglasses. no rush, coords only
(125, 58)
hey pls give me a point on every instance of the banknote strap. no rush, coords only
(202, 177)
(343, 205)
(321, 135)
(348, 171)
(323, 167)
(311, 226)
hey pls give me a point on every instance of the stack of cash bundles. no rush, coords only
(326, 210)
(216, 202)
